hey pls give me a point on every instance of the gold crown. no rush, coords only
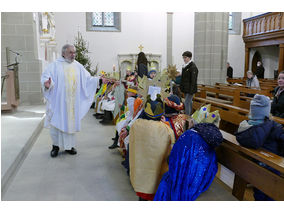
(103, 72)
(159, 109)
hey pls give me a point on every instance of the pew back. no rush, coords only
(241, 161)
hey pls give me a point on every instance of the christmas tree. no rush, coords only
(82, 54)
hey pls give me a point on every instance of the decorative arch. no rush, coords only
(256, 57)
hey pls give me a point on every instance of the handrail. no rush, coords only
(263, 24)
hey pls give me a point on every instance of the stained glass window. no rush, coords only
(97, 19)
(108, 19)
(104, 19)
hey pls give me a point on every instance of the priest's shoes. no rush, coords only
(54, 151)
(73, 151)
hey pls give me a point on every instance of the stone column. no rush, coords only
(18, 31)
(211, 46)
(169, 38)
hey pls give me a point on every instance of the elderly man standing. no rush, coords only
(69, 90)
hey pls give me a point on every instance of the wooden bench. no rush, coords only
(231, 116)
(267, 88)
(236, 96)
(246, 90)
(243, 81)
(241, 161)
(236, 80)
(224, 95)
(220, 93)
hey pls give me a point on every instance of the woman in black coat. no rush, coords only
(259, 70)
(277, 106)
(142, 63)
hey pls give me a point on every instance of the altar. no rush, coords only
(128, 61)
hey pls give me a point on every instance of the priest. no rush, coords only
(69, 90)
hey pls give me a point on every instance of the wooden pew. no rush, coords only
(241, 161)
(224, 95)
(267, 88)
(236, 80)
(231, 116)
(238, 96)
(232, 95)
(264, 83)
(246, 90)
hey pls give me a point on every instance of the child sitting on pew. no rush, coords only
(192, 161)
(259, 131)
(149, 142)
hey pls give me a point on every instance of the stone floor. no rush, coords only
(18, 128)
(95, 173)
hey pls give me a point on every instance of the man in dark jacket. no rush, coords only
(188, 83)
(259, 70)
(229, 71)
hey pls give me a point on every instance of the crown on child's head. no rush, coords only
(154, 109)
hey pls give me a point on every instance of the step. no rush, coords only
(20, 130)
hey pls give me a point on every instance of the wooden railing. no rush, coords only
(265, 23)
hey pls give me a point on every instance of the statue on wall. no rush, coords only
(46, 24)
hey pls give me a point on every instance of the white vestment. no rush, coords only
(69, 98)
(109, 103)
(123, 123)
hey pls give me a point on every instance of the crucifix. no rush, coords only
(140, 47)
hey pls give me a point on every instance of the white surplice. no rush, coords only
(69, 98)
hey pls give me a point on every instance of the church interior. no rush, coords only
(109, 163)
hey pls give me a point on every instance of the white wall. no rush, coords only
(148, 29)
(183, 36)
(236, 48)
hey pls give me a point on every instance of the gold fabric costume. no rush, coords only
(149, 143)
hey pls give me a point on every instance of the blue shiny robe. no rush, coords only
(192, 168)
